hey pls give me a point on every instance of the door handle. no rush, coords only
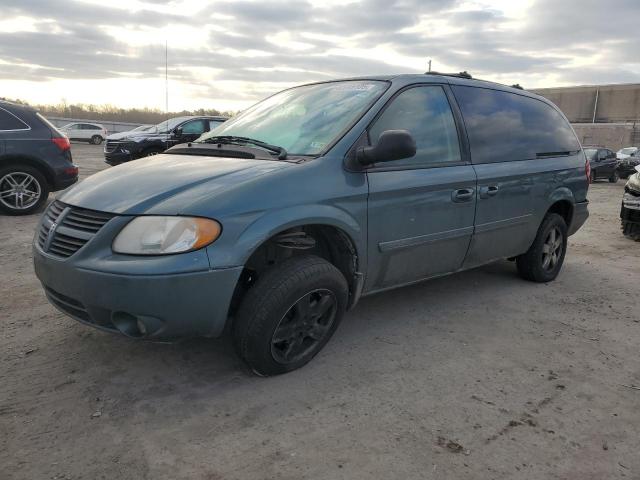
(488, 191)
(462, 195)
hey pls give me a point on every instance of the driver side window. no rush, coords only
(196, 127)
(425, 112)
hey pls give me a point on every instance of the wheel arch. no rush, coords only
(41, 166)
(327, 232)
(562, 202)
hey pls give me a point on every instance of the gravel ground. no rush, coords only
(476, 375)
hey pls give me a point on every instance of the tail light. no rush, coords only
(587, 170)
(62, 143)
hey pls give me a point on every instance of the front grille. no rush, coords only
(66, 229)
(111, 146)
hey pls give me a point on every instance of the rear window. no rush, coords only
(503, 126)
(50, 126)
(8, 121)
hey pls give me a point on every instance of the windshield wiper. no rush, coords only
(231, 139)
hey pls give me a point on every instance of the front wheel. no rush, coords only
(23, 189)
(289, 315)
(614, 178)
(543, 261)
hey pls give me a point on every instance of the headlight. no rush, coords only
(164, 235)
(634, 182)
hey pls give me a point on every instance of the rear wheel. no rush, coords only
(543, 261)
(289, 315)
(96, 140)
(23, 189)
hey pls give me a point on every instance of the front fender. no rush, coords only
(236, 251)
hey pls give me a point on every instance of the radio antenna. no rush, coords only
(429, 66)
(166, 88)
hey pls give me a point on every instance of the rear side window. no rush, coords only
(8, 121)
(503, 126)
(425, 112)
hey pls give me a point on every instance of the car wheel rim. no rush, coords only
(19, 190)
(304, 327)
(552, 250)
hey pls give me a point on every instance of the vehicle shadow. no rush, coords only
(199, 367)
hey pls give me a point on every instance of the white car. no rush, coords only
(626, 152)
(87, 132)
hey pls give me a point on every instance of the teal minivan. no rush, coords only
(279, 220)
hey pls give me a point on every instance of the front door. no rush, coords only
(420, 210)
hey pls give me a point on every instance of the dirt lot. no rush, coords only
(477, 375)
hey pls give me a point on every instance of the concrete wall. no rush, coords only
(112, 127)
(610, 135)
(615, 103)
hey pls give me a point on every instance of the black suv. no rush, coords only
(604, 164)
(35, 159)
(126, 146)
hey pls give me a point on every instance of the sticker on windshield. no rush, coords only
(355, 87)
(317, 145)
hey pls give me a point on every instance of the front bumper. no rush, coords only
(626, 168)
(116, 158)
(580, 215)
(630, 215)
(159, 306)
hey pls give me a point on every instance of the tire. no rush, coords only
(274, 332)
(592, 179)
(30, 197)
(614, 178)
(96, 140)
(631, 230)
(531, 265)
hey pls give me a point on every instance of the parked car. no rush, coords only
(626, 166)
(127, 146)
(143, 128)
(630, 211)
(604, 164)
(626, 152)
(285, 216)
(87, 132)
(35, 159)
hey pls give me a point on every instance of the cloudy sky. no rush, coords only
(227, 54)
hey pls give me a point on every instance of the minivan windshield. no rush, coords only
(304, 120)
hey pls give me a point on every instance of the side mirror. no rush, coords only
(391, 145)
(178, 132)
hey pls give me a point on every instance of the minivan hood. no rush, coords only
(164, 184)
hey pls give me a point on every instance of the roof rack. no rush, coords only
(464, 74)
